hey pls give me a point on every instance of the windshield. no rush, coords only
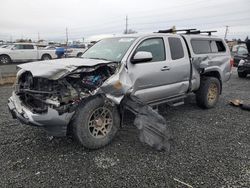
(9, 46)
(112, 49)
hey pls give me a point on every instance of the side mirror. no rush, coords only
(142, 56)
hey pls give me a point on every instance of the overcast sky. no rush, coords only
(84, 18)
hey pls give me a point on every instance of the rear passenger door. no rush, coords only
(178, 75)
(29, 52)
(17, 52)
(162, 77)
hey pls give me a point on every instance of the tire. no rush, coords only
(242, 74)
(89, 128)
(208, 94)
(46, 57)
(4, 60)
(79, 54)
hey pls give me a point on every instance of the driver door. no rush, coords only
(161, 78)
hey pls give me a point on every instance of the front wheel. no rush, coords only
(208, 94)
(95, 123)
(4, 59)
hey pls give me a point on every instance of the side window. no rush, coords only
(201, 46)
(214, 47)
(18, 47)
(220, 46)
(176, 48)
(28, 47)
(155, 46)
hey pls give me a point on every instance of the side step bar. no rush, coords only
(174, 101)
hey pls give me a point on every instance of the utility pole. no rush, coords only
(67, 37)
(126, 29)
(38, 36)
(226, 31)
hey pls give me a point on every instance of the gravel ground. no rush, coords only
(211, 149)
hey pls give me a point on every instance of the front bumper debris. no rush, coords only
(153, 129)
(51, 121)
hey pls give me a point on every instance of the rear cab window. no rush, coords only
(206, 46)
(28, 47)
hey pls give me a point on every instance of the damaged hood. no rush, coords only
(55, 69)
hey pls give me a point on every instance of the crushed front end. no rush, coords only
(51, 104)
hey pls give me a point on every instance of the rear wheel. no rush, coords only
(208, 94)
(46, 57)
(242, 74)
(4, 59)
(95, 123)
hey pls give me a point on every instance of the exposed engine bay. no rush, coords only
(64, 94)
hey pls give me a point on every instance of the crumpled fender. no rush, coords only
(117, 86)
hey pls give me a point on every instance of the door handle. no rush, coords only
(165, 68)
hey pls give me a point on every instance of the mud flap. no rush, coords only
(153, 129)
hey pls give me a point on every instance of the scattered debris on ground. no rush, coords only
(240, 103)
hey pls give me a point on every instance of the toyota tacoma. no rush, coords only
(85, 94)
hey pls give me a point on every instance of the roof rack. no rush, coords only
(188, 31)
(175, 30)
(199, 32)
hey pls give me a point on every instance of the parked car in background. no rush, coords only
(49, 48)
(22, 52)
(75, 50)
(244, 64)
(3, 46)
(239, 52)
(60, 52)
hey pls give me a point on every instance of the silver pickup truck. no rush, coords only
(85, 94)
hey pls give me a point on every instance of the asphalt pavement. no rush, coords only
(8, 69)
(211, 148)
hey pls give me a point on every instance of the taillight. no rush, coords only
(231, 63)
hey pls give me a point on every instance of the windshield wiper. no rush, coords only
(98, 58)
(101, 59)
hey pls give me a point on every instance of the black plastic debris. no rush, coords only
(153, 129)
